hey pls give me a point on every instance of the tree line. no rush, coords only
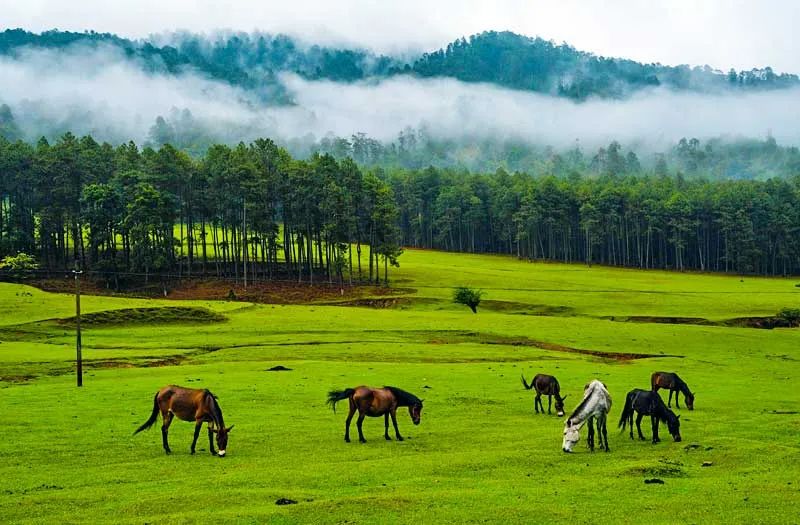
(249, 209)
(642, 220)
(253, 208)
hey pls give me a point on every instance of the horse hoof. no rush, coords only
(362, 440)
(400, 439)
(387, 438)
(347, 440)
(191, 452)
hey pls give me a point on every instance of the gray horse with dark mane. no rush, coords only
(595, 406)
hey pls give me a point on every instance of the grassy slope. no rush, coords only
(480, 453)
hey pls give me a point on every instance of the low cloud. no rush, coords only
(102, 92)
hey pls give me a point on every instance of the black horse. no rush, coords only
(546, 385)
(649, 403)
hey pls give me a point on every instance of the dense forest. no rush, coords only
(642, 221)
(251, 209)
(254, 206)
(253, 61)
(534, 64)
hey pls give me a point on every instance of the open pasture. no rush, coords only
(480, 453)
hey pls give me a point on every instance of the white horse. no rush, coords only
(595, 405)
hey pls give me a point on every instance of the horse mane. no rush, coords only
(681, 384)
(660, 409)
(582, 403)
(216, 411)
(404, 399)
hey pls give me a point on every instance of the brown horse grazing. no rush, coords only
(189, 404)
(376, 402)
(673, 383)
(548, 386)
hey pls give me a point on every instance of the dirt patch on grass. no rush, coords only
(16, 378)
(277, 292)
(491, 339)
(661, 320)
(765, 323)
(268, 292)
(666, 469)
(147, 316)
(527, 309)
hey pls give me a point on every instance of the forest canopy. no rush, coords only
(158, 209)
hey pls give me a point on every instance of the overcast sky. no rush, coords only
(721, 33)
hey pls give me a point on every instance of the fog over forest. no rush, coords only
(101, 90)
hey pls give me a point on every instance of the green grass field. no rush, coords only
(480, 454)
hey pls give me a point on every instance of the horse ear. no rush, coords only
(563, 398)
(229, 428)
(678, 417)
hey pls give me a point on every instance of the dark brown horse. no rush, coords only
(376, 402)
(189, 404)
(673, 383)
(548, 386)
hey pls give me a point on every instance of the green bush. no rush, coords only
(19, 265)
(468, 297)
(790, 316)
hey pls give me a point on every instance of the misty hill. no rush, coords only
(254, 60)
(534, 64)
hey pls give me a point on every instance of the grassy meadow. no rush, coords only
(480, 454)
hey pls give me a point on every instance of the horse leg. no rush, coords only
(198, 424)
(654, 423)
(347, 422)
(599, 432)
(167, 418)
(359, 422)
(669, 401)
(639, 426)
(537, 401)
(394, 422)
(677, 405)
(386, 426)
(605, 433)
(211, 440)
(630, 423)
(590, 434)
(549, 405)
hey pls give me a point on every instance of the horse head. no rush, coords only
(690, 401)
(571, 436)
(674, 426)
(415, 411)
(560, 405)
(222, 439)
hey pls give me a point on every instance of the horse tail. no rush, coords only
(334, 396)
(149, 423)
(526, 385)
(627, 410)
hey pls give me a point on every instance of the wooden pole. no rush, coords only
(244, 239)
(78, 323)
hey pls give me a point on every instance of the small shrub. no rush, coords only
(468, 297)
(790, 316)
(20, 265)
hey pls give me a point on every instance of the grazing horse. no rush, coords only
(673, 383)
(376, 402)
(649, 403)
(595, 405)
(548, 386)
(189, 404)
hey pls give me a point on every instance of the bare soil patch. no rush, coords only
(149, 316)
